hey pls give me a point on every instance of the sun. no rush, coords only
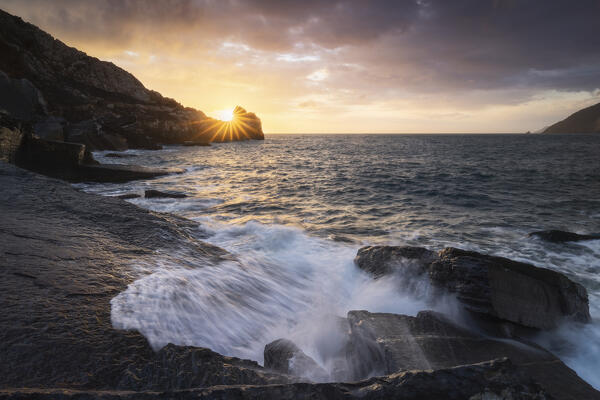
(225, 115)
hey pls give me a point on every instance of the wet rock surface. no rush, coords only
(509, 290)
(119, 155)
(282, 355)
(490, 287)
(382, 344)
(557, 236)
(495, 380)
(383, 260)
(64, 255)
(150, 194)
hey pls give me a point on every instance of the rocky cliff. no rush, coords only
(66, 95)
(583, 121)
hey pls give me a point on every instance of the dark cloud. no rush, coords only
(417, 44)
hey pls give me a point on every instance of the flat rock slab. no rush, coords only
(119, 173)
(383, 343)
(64, 255)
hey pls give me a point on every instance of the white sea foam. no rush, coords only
(286, 284)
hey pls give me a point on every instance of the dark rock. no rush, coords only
(115, 173)
(586, 120)
(557, 236)
(43, 155)
(65, 254)
(50, 128)
(129, 196)
(284, 356)
(90, 133)
(195, 143)
(88, 158)
(119, 155)
(151, 194)
(388, 343)
(492, 380)
(384, 260)
(491, 288)
(20, 98)
(11, 138)
(509, 290)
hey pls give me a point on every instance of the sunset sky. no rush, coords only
(405, 66)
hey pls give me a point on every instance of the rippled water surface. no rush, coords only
(295, 208)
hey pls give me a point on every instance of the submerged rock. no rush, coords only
(151, 194)
(119, 155)
(129, 196)
(557, 236)
(382, 344)
(282, 355)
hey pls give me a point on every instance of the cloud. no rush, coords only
(461, 55)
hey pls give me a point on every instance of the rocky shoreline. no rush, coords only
(65, 254)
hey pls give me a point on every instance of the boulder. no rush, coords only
(557, 236)
(382, 344)
(49, 155)
(284, 356)
(383, 260)
(491, 288)
(152, 194)
(509, 290)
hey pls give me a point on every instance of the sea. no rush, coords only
(294, 209)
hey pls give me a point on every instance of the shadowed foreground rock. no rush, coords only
(489, 287)
(493, 380)
(64, 254)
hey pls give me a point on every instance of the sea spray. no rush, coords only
(282, 284)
